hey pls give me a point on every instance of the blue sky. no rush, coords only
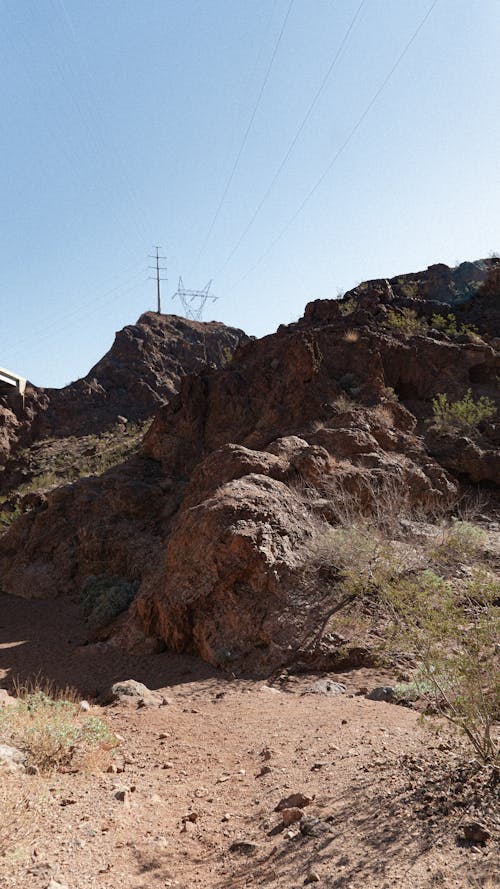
(122, 121)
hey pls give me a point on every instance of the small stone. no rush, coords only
(243, 848)
(325, 687)
(85, 706)
(55, 885)
(265, 770)
(313, 827)
(226, 817)
(312, 877)
(381, 693)
(474, 832)
(123, 796)
(294, 801)
(11, 758)
(290, 816)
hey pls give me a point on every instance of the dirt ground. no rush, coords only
(206, 771)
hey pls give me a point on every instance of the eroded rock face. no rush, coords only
(141, 371)
(212, 517)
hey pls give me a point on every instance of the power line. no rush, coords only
(245, 138)
(340, 151)
(295, 139)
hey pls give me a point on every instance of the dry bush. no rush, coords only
(383, 416)
(449, 627)
(351, 336)
(53, 731)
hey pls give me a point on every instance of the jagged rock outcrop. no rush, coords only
(141, 371)
(212, 517)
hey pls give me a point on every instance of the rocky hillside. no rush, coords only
(141, 371)
(386, 399)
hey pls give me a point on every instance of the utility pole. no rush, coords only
(158, 268)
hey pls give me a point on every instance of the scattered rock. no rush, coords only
(6, 700)
(85, 706)
(290, 816)
(325, 687)
(11, 758)
(474, 832)
(382, 693)
(242, 847)
(312, 877)
(54, 884)
(131, 691)
(265, 770)
(313, 827)
(294, 801)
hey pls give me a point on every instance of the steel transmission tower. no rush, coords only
(158, 268)
(194, 301)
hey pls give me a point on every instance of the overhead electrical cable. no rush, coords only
(340, 150)
(244, 139)
(295, 139)
(59, 324)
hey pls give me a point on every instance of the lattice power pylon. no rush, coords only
(194, 301)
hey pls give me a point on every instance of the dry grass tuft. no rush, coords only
(351, 336)
(52, 730)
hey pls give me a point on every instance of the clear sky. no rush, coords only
(128, 123)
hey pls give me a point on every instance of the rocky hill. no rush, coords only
(141, 371)
(386, 399)
(58, 428)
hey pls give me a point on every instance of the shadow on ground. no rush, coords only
(46, 639)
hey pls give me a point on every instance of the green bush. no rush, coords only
(455, 642)
(104, 597)
(448, 325)
(464, 414)
(406, 321)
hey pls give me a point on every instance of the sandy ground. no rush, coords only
(207, 770)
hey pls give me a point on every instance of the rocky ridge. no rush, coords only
(211, 518)
(140, 372)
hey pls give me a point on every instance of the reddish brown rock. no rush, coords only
(213, 517)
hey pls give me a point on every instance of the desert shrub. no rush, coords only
(405, 321)
(351, 336)
(52, 729)
(103, 598)
(455, 642)
(448, 325)
(410, 290)
(463, 414)
(458, 542)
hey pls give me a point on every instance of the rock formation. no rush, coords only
(212, 519)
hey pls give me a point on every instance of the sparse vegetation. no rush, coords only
(448, 324)
(52, 730)
(406, 321)
(455, 642)
(447, 625)
(103, 598)
(465, 413)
